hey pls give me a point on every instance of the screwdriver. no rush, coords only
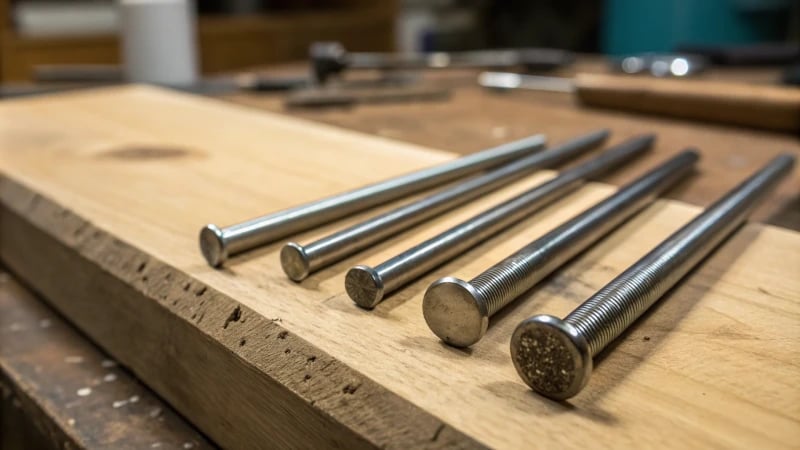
(758, 106)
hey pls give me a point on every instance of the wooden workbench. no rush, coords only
(101, 202)
(473, 118)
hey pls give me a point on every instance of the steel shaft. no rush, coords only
(298, 261)
(458, 311)
(217, 244)
(367, 286)
(554, 356)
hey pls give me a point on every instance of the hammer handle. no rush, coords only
(759, 106)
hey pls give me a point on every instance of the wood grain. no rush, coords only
(104, 192)
(749, 105)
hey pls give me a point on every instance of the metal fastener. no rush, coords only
(367, 286)
(554, 356)
(298, 261)
(218, 244)
(458, 311)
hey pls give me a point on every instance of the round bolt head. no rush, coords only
(364, 285)
(295, 261)
(212, 245)
(551, 356)
(455, 312)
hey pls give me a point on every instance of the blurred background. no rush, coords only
(241, 34)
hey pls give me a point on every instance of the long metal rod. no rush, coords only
(367, 286)
(218, 244)
(554, 356)
(458, 311)
(299, 261)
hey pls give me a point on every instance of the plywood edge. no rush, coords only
(199, 349)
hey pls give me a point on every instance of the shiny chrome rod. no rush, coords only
(299, 261)
(554, 356)
(367, 286)
(458, 311)
(218, 244)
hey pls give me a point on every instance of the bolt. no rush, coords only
(554, 356)
(298, 261)
(218, 244)
(458, 311)
(367, 286)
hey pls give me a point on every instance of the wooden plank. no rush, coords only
(104, 192)
(73, 394)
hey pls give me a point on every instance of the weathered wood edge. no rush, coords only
(45, 362)
(264, 385)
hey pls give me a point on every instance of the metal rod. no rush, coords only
(218, 244)
(554, 356)
(331, 58)
(299, 261)
(458, 311)
(367, 286)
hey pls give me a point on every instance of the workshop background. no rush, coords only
(383, 68)
(242, 34)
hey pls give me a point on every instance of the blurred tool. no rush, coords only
(299, 261)
(217, 244)
(660, 65)
(331, 58)
(340, 95)
(554, 356)
(757, 106)
(367, 286)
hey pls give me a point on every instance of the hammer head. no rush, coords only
(327, 59)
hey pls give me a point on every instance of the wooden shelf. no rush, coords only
(226, 42)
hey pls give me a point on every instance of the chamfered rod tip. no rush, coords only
(212, 245)
(364, 286)
(455, 312)
(551, 356)
(295, 261)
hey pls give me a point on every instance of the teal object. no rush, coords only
(635, 26)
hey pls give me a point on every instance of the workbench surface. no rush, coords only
(102, 199)
(474, 118)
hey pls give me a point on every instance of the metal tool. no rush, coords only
(331, 58)
(367, 286)
(341, 96)
(660, 64)
(217, 244)
(458, 311)
(299, 261)
(757, 106)
(554, 356)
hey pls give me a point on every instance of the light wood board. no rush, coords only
(103, 194)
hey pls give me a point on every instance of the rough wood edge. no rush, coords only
(36, 369)
(286, 391)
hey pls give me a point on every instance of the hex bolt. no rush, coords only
(458, 311)
(218, 244)
(299, 261)
(367, 286)
(554, 356)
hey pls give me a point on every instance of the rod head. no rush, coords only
(294, 261)
(364, 285)
(455, 312)
(212, 245)
(551, 356)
